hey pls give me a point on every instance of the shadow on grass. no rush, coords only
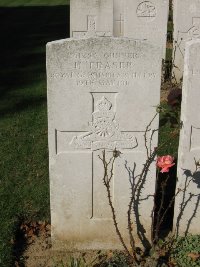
(24, 103)
(24, 34)
(20, 244)
(169, 192)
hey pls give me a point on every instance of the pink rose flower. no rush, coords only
(165, 162)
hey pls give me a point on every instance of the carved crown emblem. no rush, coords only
(104, 104)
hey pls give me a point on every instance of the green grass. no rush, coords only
(17, 3)
(170, 26)
(169, 52)
(24, 186)
(169, 131)
(184, 248)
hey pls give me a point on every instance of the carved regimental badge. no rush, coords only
(194, 31)
(146, 10)
(104, 131)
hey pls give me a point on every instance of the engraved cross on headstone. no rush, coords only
(91, 29)
(194, 31)
(104, 133)
(120, 22)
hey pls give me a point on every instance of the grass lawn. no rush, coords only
(17, 3)
(24, 186)
(26, 27)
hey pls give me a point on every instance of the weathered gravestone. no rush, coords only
(118, 16)
(147, 20)
(186, 28)
(187, 212)
(89, 18)
(102, 94)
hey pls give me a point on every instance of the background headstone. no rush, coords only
(187, 212)
(147, 20)
(102, 94)
(89, 18)
(186, 27)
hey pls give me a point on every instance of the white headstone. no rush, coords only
(147, 20)
(186, 27)
(118, 16)
(89, 18)
(187, 211)
(102, 94)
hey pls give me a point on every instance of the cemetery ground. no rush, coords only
(24, 187)
(26, 27)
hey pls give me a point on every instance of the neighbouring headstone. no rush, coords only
(89, 18)
(102, 94)
(187, 211)
(118, 16)
(147, 20)
(186, 28)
